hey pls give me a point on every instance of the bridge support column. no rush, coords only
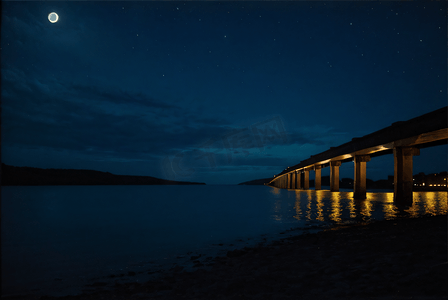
(403, 183)
(334, 175)
(317, 177)
(306, 179)
(289, 180)
(359, 191)
(299, 179)
(293, 184)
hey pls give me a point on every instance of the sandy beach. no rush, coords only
(394, 259)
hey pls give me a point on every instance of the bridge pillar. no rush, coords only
(403, 183)
(306, 179)
(289, 181)
(293, 180)
(359, 191)
(334, 175)
(299, 179)
(317, 177)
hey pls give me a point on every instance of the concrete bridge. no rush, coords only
(403, 139)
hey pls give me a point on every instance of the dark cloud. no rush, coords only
(96, 119)
(117, 96)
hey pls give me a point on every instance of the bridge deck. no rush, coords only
(430, 128)
(404, 139)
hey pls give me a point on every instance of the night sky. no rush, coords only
(215, 92)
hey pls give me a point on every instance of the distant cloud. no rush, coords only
(97, 120)
(114, 95)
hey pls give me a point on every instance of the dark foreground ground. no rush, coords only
(397, 259)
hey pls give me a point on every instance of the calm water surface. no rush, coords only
(56, 239)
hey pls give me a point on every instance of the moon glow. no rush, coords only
(53, 17)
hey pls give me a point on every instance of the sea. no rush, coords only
(61, 240)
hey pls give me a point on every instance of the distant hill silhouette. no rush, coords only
(35, 176)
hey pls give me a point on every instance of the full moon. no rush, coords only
(53, 17)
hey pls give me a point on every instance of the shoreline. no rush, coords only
(388, 259)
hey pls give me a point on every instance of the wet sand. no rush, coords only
(395, 259)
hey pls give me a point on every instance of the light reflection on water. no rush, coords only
(339, 207)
